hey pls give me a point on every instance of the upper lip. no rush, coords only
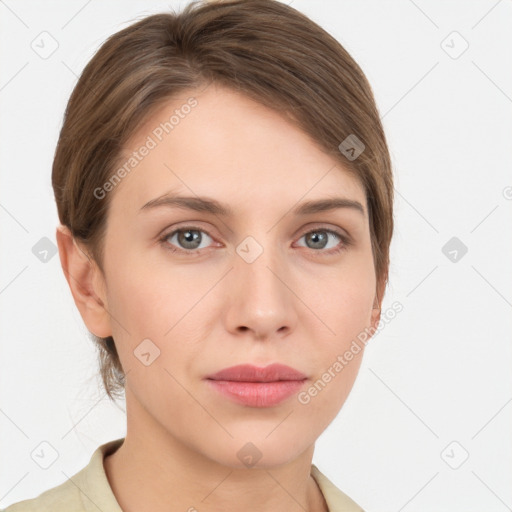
(250, 373)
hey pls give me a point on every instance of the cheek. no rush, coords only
(326, 394)
(150, 295)
(344, 302)
(345, 308)
(163, 303)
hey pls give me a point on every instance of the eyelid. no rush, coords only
(325, 227)
(166, 233)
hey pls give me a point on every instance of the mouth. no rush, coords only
(250, 373)
(257, 387)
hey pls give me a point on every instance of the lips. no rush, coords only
(251, 386)
(249, 373)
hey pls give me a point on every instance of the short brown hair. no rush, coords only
(262, 48)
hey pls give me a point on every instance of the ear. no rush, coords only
(86, 283)
(377, 303)
(375, 313)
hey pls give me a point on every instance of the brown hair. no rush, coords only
(262, 48)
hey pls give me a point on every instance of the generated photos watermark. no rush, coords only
(362, 339)
(151, 142)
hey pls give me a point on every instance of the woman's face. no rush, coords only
(244, 286)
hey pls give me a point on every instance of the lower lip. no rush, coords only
(257, 394)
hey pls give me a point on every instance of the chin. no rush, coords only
(260, 451)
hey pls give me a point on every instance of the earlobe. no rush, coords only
(84, 278)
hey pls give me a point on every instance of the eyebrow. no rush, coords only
(205, 204)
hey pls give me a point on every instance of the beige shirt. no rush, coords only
(89, 491)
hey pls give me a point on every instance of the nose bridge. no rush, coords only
(258, 262)
(262, 301)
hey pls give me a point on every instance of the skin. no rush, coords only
(295, 304)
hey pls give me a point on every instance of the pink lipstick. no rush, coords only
(257, 387)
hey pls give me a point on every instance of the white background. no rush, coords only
(439, 372)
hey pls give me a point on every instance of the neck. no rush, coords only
(156, 472)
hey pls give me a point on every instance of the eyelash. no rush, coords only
(346, 242)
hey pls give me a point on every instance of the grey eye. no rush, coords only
(319, 238)
(188, 238)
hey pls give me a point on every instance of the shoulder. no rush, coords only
(63, 497)
(336, 499)
(88, 490)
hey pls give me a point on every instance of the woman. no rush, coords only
(225, 195)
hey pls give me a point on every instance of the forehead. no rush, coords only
(218, 142)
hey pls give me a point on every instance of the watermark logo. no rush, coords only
(146, 352)
(44, 250)
(455, 249)
(249, 249)
(44, 455)
(351, 147)
(44, 44)
(454, 45)
(249, 454)
(455, 455)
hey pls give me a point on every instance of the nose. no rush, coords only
(261, 297)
